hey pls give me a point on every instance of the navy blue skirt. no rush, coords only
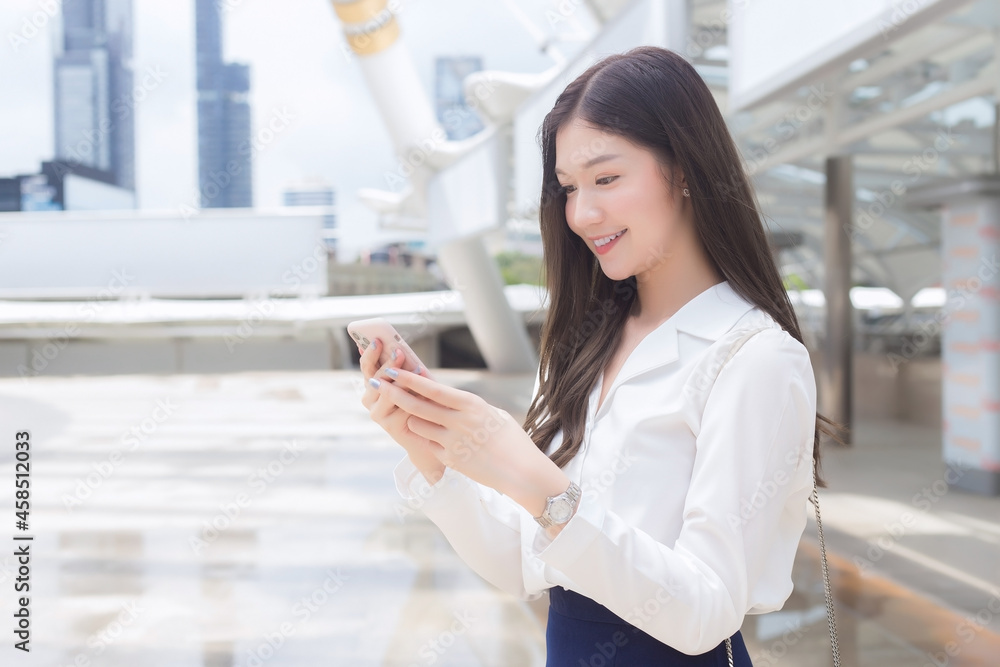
(583, 633)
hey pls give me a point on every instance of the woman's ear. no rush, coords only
(678, 178)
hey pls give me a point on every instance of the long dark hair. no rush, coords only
(654, 98)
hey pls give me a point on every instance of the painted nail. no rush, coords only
(374, 383)
(392, 372)
(420, 369)
(394, 352)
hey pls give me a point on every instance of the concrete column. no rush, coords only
(970, 329)
(836, 376)
(498, 329)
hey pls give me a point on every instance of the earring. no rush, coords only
(687, 193)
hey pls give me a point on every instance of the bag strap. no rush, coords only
(828, 594)
(814, 499)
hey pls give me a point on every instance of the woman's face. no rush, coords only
(612, 186)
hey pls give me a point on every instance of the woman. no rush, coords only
(657, 498)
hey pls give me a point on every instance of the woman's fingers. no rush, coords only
(415, 404)
(395, 360)
(415, 429)
(380, 407)
(425, 429)
(371, 394)
(442, 394)
(369, 358)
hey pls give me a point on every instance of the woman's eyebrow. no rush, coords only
(592, 161)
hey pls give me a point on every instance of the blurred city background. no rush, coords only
(197, 196)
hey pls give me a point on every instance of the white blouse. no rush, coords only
(695, 493)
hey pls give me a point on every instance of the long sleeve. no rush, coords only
(482, 525)
(743, 514)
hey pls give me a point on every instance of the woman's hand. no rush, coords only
(422, 452)
(480, 441)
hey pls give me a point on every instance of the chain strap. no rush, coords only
(814, 499)
(827, 593)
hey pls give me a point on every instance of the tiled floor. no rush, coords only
(250, 519)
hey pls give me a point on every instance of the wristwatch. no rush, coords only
(559, 509)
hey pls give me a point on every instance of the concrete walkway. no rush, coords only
(250, 519)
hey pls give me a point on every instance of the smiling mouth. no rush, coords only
(608, 239)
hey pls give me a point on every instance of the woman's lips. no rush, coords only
(602, 249)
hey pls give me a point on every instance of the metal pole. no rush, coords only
(836, 377)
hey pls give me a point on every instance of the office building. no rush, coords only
(315, 192)
(225, 164)
(93, 82)
(459, 120)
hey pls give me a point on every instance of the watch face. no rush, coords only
(560, 510)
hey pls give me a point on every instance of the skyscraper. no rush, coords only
(315, 192)
(225, 174)
(459, 120)
(94, 117)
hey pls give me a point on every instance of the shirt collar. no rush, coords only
(708, 315)
(711, 313)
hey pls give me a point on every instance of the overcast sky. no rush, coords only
(298, 68)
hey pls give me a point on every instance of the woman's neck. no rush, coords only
(660, 296)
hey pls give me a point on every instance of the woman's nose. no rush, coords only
(586, 211)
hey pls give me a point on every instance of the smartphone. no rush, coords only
(365, 331)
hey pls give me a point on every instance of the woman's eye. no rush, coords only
(604, 180)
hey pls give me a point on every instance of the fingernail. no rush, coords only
(394, 352)
(420, 369)
(392, 372)
(374, 383)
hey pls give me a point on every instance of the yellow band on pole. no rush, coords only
(367, 43)
(369, 25)
(359, 11)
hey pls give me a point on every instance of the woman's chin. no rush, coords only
(616, 272)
